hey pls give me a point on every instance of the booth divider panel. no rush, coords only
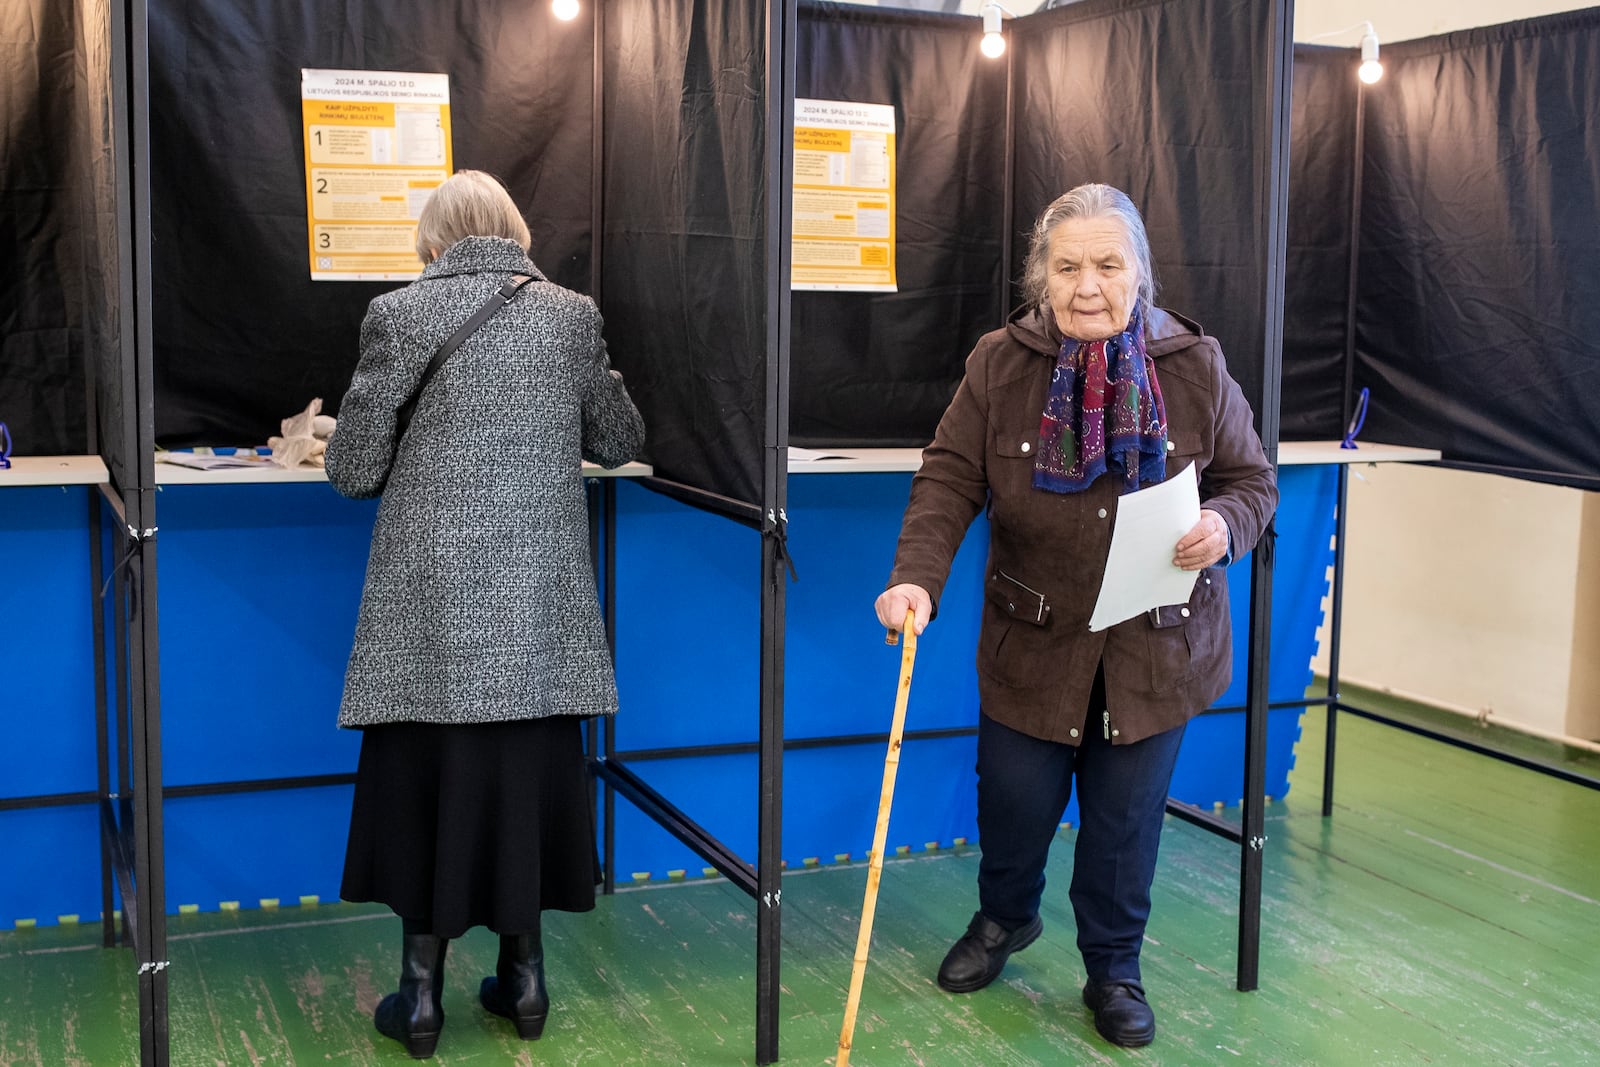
(1479, 297)
(1322, 161)
(879, 368)
(684, 242)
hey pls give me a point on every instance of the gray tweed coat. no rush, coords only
(479, 603)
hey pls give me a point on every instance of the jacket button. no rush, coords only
(1171, 447)
(1102, 513)
(1208, 581)
(1116, 733)
(1010, 606)
(1074, 733)
(1184, 612)
(1026, 446)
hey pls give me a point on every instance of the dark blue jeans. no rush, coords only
(1023, 788)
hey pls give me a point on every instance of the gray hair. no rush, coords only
(1090, 201)
(469, 203)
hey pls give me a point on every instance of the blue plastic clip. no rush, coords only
(5, 448)
(1357, 420)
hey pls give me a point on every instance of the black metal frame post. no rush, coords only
(782, 20)
(1346, 409)
(150, 921)
(1330, 736)
(763, 880)
(1273, 212)
(131, 822)
(102, 737)
(1008, 194)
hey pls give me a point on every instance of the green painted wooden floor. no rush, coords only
(1449, 913)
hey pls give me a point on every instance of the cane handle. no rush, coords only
(891, 636)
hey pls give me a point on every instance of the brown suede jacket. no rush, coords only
(1047, 551)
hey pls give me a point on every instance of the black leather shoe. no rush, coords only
(979, 957)
(1121, 1013)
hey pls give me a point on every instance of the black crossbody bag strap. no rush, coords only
(497, 300)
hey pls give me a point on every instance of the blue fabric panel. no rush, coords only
(840, 677)
(245, 846)
(688, 619)
(688, 612)
(52, 864)
(688, 644)
(259, 587)
(830, 804)
(47, 712)
(46, 644)
(1211, 765)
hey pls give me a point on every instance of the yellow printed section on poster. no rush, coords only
(844, 196)
(377, 143)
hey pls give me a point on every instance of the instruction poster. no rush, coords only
(377, 146)
(843, 196)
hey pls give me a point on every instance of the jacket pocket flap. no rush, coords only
(1168, 616)
(1184, 444)
(1017, 600)
(1019, 445)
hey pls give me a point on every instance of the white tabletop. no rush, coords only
(1290, 453)
(1307, 453)
(54, 470)
(266, 474)
(89, 470)
(853, 460)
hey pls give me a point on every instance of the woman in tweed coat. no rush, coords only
(479, 646)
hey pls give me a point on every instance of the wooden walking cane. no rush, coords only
(891, 764)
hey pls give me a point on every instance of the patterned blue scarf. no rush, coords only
(1077, 444)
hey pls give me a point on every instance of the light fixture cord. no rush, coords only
(1367, 23)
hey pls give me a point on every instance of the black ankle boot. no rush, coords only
(415, 1015)
(516, 989)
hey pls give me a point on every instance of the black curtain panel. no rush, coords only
(879, 368)
(684, 276)
(1158, 98)
(243, 337)
(1322, 130)
(44, 147)
(105, 351)
(1479, 315)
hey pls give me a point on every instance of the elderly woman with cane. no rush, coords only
(1089, 392)
(479, 648)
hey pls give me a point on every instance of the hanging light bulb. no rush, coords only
(1370, 70)
(994, 42)
(565, 10)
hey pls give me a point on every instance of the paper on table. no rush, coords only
(210, 463)
(808, 455)
(1140, 574)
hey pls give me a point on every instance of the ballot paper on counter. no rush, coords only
(811, 455)
(205, 461)
(1140, 574)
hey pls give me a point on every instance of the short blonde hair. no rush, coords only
(469, 203)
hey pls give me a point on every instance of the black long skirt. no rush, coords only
(485, 824)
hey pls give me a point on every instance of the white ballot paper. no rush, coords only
(1140, 574)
